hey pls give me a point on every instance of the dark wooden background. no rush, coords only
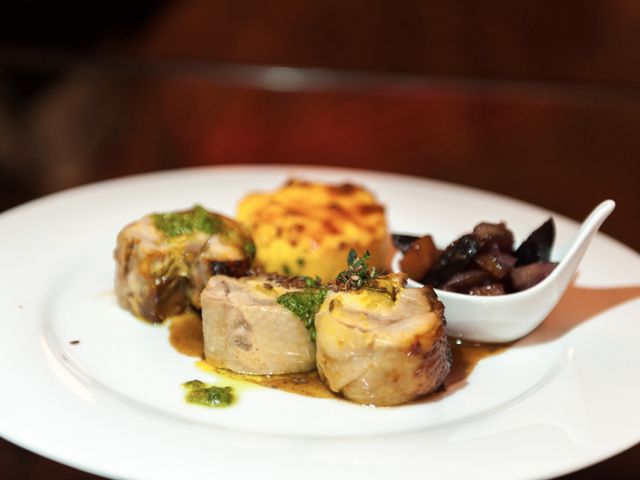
(540, 102)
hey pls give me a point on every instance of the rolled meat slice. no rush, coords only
(246, 330)
(382, 346)
(163, 261)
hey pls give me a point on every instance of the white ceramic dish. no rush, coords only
(564, 397)
(506, 318)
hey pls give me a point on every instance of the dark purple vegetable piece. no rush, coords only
(462, 282)
(403, 242)
(489, 290)
(528, 275)
(457, 256)
(495, 262)
(496, 233)
(537, 247)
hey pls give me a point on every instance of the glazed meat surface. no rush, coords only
(382, 348)
(247, 331)
(163, 261)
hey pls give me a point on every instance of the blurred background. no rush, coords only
(539, 101)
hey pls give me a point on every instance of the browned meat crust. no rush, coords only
(158, 277)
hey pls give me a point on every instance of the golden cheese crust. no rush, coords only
(307, 228)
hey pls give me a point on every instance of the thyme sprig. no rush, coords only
(357, 274)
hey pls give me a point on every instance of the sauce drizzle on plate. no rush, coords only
(185, 335)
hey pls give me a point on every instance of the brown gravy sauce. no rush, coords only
(466, 356)
(185, 335)
(307, 384)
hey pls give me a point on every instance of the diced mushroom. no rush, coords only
(488, 290)
(495, 262)
(464, 281)
(403, 242)
(421, 255)
(528, 275)
(457, 256)
(496, 233)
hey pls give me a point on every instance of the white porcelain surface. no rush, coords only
(507, 318)
(561, 398)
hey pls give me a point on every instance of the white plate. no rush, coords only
(563, 398)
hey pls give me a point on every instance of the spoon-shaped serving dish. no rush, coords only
(505, 318)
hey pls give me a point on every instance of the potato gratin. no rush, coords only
(307, 228)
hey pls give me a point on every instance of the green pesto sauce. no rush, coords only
(305, 305)
(200, 393)
(197, 219)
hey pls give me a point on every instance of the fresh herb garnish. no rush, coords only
(312, 282)
(357, 274)
(305, 304)
(175, 224)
